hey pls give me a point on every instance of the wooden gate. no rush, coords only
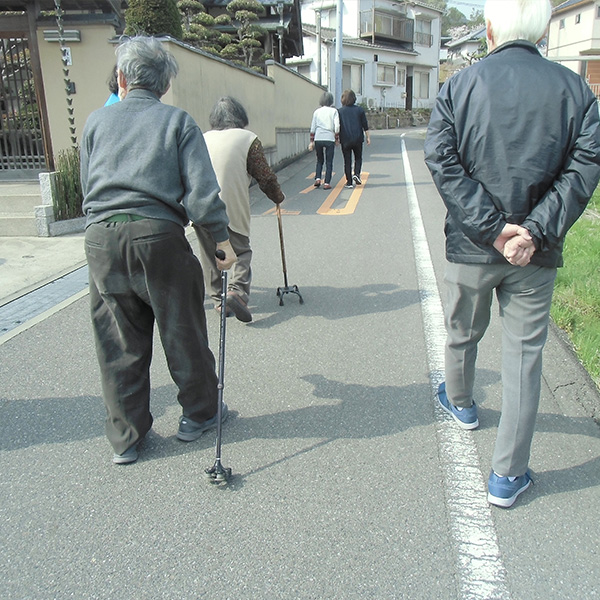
(21, 143)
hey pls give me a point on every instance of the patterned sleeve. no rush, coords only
(259, 169)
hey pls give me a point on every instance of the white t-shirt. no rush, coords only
(325, 124)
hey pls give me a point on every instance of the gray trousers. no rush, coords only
(524, 295)
(240, 275)
(141, 272)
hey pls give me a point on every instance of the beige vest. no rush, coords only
(228, 149)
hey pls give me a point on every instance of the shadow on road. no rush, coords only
(328, 302)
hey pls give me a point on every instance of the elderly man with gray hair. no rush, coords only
(513, 145)
(146, 174)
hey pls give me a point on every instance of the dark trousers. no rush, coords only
(347, 151)
(141, 272)
(325, 151)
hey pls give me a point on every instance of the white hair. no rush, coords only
(146, 63)
(518, 19)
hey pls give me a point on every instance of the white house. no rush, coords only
(574, 39)
(461, 51)
(390, 50)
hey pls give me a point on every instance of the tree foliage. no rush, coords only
(247, 47)
(204, 31)
(153, 17)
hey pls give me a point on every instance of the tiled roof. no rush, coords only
(21, 5)
(569, 4)
(474, 35)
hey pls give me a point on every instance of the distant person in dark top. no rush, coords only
(353, 131)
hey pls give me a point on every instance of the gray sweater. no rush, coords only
(143, 157)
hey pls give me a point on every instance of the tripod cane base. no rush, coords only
(292, 289)
(218, 473)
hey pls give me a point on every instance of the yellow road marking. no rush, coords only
(283, 211)
(350, 207)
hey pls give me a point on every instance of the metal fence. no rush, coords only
(21, 145)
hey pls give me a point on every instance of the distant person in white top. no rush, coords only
(324, 135)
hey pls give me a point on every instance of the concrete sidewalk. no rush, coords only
(27, 263)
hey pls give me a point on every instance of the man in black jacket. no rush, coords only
(513, 145)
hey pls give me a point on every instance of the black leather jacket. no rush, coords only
(514, 138)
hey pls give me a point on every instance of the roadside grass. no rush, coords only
(576, 301)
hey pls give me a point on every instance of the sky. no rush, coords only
(466, 6)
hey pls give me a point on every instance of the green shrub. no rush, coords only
(67, 195)
(576, 301)
(153, 17)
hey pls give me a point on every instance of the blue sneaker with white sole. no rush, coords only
(465, 417)
(503, 492)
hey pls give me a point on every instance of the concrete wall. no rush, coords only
(279, 105)
(92, 58)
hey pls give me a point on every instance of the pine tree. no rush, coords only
(153, 17)
(246, 48)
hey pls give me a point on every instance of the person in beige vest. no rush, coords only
(237, 156)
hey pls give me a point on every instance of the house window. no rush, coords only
(386, 74)
(561, 24)
(577, 18)
(352, 78)
(597, 12)
(423, 35)
(421, 85)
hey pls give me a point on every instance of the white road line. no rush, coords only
(481, 572)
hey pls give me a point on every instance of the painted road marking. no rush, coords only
(350, 207)
(283, 211)
(481, 572)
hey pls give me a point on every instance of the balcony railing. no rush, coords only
(386, 26)
(423, 39)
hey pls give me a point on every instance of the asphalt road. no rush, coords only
(349, 483)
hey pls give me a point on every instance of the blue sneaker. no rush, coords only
(465, 417)
(503, 492)
(190, 430)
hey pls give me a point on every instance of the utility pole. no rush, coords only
(319, 43)
(339, 52)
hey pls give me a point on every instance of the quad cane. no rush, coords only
(218, 473)
(286, 289)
